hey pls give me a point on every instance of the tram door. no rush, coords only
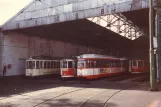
(75, 67)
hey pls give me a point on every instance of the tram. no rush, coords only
(93, 66)
(40, 67)
(138, 66)
(68, 68)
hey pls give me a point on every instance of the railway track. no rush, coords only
(83, 104)
(134, 78)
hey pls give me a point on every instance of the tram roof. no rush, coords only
(42, 60)
(96, 56)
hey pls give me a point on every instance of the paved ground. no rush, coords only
(113, 92)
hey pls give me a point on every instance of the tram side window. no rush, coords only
(45, 64)
(112, 63)
(92, 64)
(117, 64)
(58, 64)
(87, 64)
(52, 64)
(49, 66)
(41, 64)
(37, 64)
(98, 63)
(65, 64)
(106, 63)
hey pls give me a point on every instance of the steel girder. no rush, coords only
(120, 24)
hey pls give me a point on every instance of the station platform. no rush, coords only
(98, 93)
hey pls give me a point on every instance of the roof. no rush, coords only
(96, 56)
(45, 12)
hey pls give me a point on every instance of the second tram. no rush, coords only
(68, 68)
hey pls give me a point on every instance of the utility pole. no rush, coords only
(157, 33)
(151, 50)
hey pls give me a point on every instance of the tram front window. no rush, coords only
(64, 64)
(140, 63)
(134, 63)
(31, 65)
(70, 65)
(81, 65)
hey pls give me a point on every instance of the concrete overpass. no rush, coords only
(60, 28)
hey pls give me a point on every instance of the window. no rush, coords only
(98, 63)
(87, 64)
(140, 64)
(65, 64)
(45, 64)
(52, 64)
(81, 65)
(112, 63)
(58, 64)
(134, 63)
(41, 64)
(106, 63)
(37, 64)
(92, 64)
(70, 65)
(117, 64)
(31, 65)
(49, 64)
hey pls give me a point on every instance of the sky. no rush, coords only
(9, 8)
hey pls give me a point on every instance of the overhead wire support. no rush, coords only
(151, 48)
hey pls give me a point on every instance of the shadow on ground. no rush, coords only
(19, 85)
(70, 103)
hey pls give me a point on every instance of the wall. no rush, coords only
(16, 48)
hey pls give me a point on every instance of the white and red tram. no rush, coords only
(40, 67)
(93, 66)
(68, 68)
